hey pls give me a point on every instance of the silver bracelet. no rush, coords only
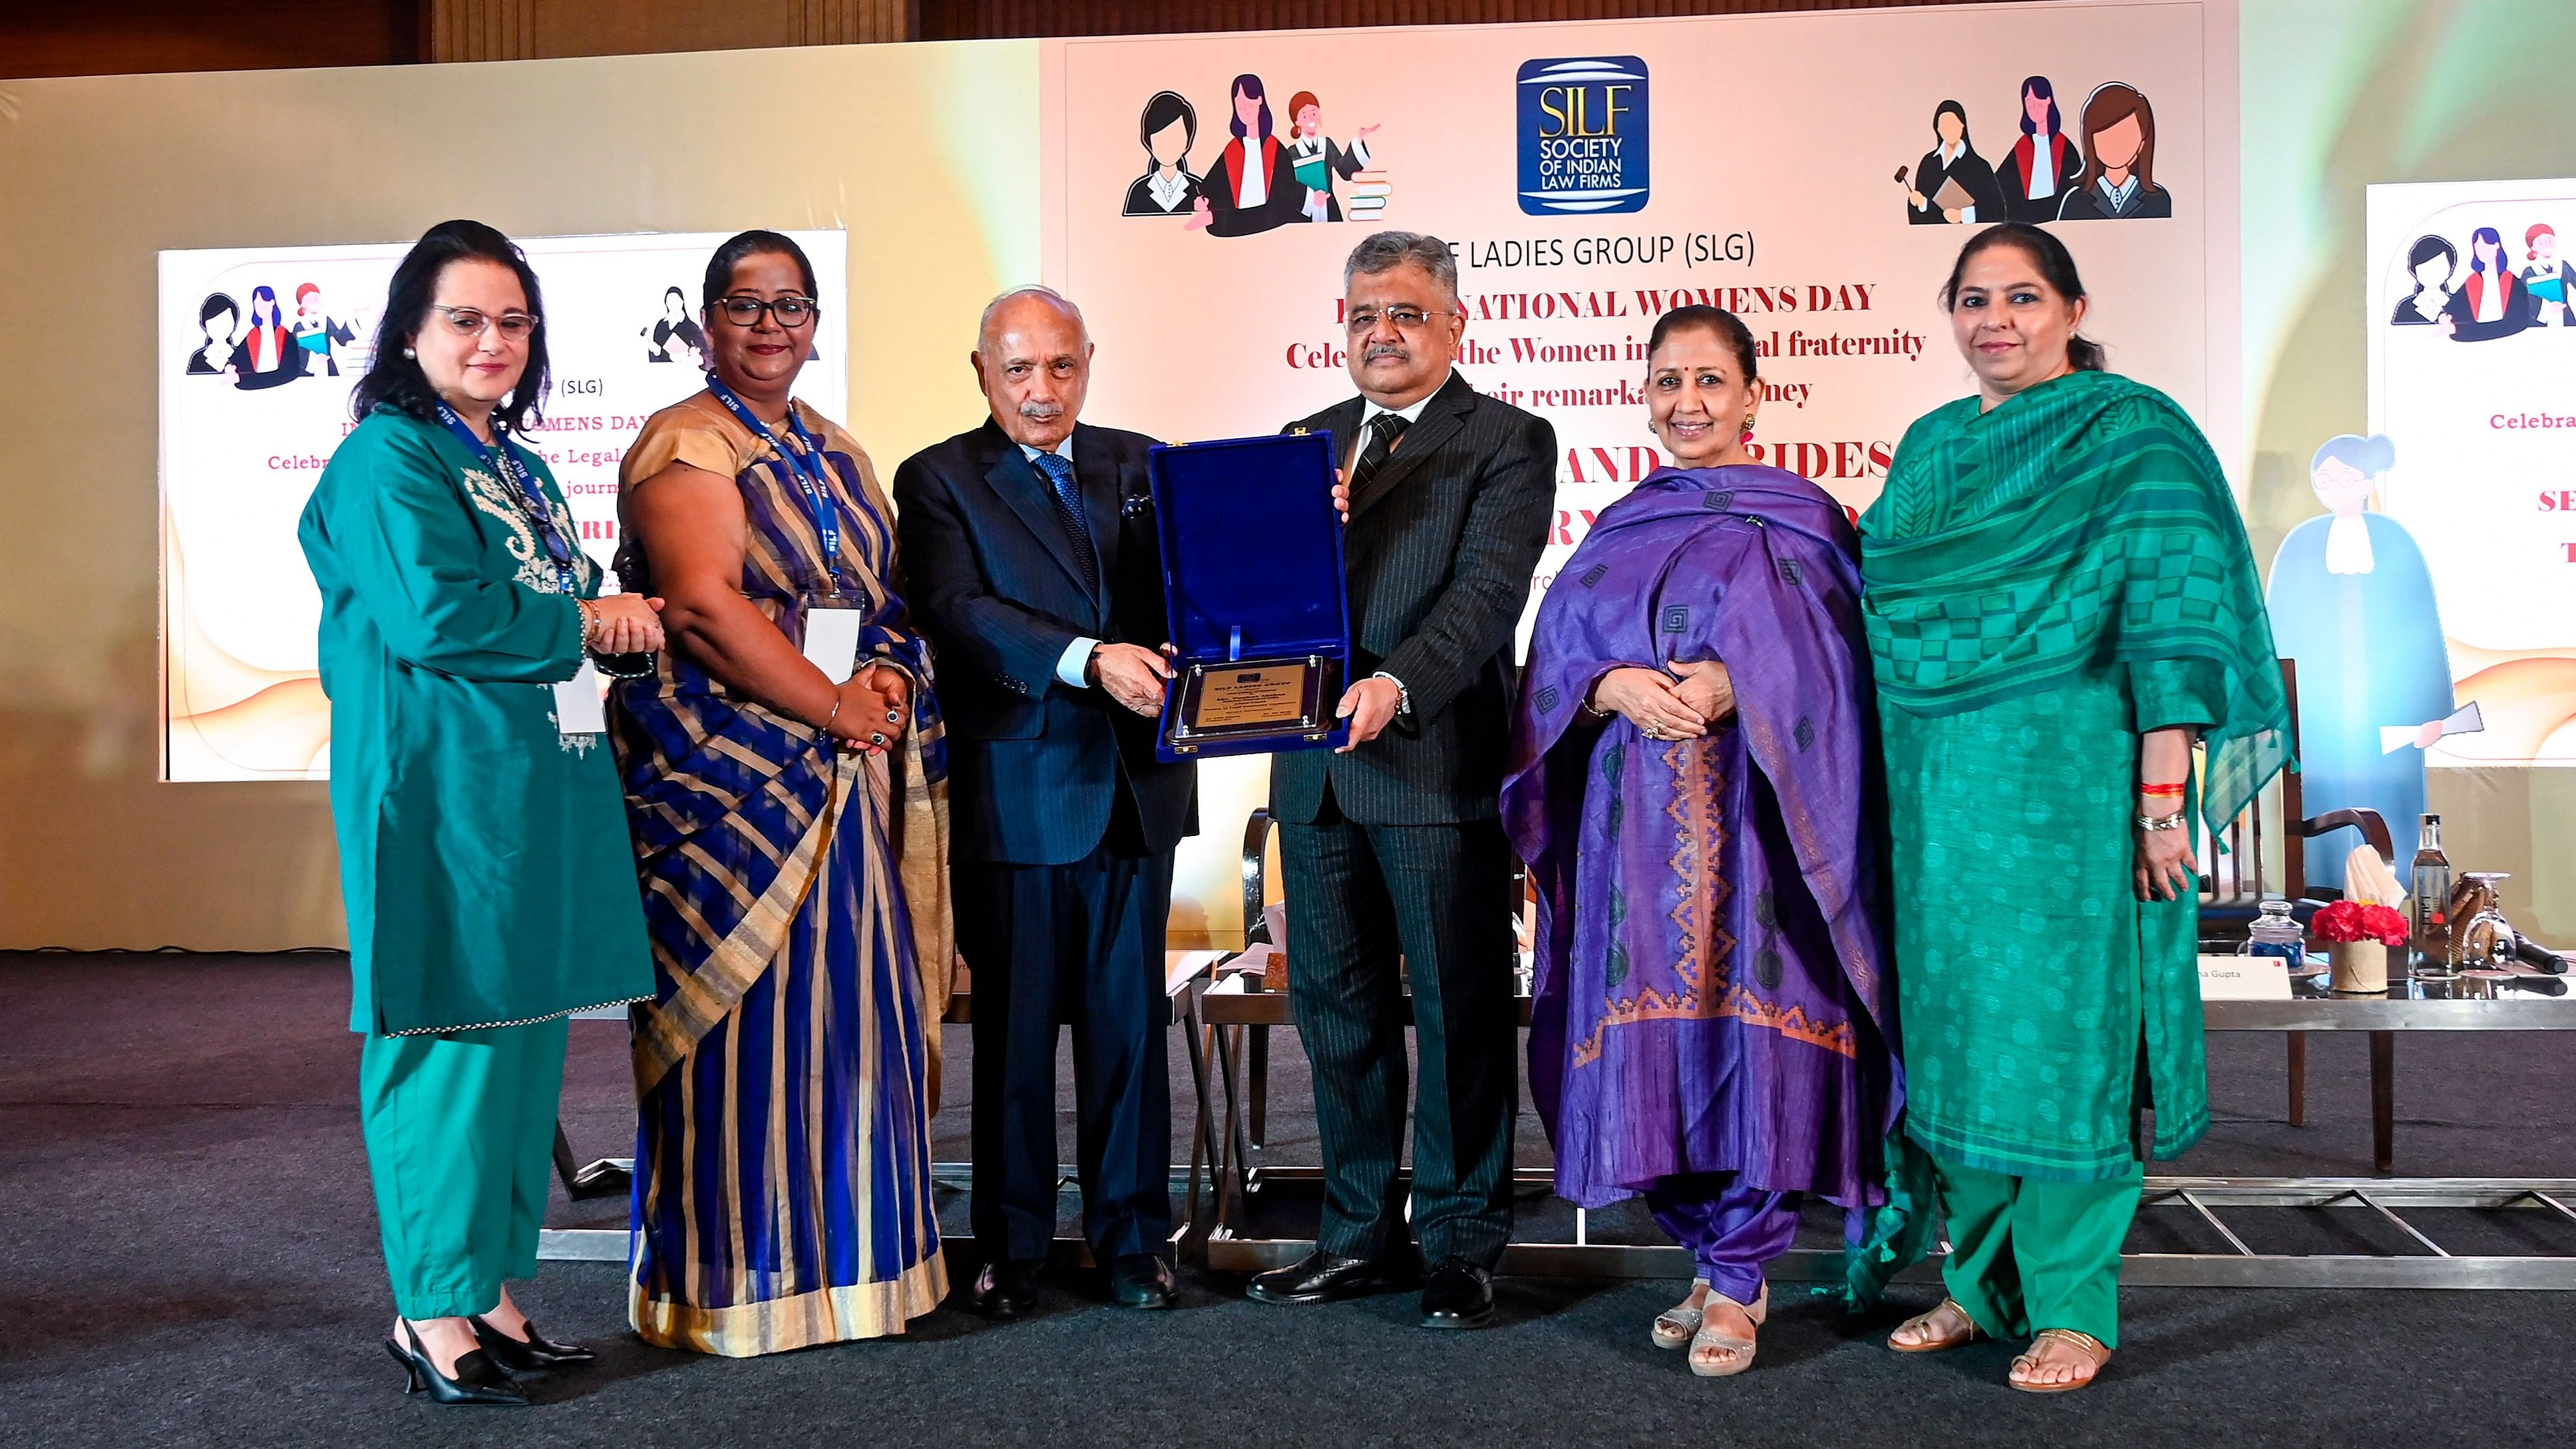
(825, 728)
(2176, 821)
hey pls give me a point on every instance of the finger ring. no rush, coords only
(876, 739)
(893, 718)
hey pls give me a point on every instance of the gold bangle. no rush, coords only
(825, 728)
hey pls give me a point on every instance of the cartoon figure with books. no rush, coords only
(1319, 159)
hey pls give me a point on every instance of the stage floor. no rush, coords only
(188, 1250)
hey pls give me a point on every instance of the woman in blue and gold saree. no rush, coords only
(784, 780)
(1691, 784)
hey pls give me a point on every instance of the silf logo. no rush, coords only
(1583, 135)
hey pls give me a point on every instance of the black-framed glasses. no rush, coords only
(1406, 319)
(470, 321)
(791, 312)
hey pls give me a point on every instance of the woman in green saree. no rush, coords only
(483, 848)
(2059, 599)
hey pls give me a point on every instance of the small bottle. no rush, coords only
(2430, 898)
(2276, 932)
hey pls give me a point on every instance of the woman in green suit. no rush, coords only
(2059, 601)
(483, 850)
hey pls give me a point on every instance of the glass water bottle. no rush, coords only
(2430, 900)
(2276, 932)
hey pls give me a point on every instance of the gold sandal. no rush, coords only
(1741, 1349)
(1936, 1345)
(2083, 1343)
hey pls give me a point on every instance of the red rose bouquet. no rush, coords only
(2348, 921)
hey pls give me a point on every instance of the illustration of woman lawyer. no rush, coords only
(674, 336)
(2492, 303)
(2431, 261)
(1952, 183)
(1168, 128)
(219, 350)
(324, 338)
(2550, 281)
(1251, 187)
(1317, 159)
(268, 355)
(2119, 181)
(2044, 162)
(2352, 602)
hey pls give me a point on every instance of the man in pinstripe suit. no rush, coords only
(1394, 858)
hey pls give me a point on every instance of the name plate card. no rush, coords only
(2244, 978)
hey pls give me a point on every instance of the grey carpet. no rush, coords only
(188, 1251)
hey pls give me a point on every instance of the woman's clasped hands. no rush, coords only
(875, 709)
(1677, 705)
(622, 624)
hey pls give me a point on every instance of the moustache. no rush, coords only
(1038, 412)
(1393, 350)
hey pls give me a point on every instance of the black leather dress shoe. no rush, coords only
(1459, 1294)
(1006, 1288)
(1322, 1277)
(478, 1380)
(527, 1355)
(1140, 1280)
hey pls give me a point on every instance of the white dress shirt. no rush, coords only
(1411, 413)
(1074, 665)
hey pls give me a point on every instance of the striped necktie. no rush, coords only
(1383, 430)
(1068, 507)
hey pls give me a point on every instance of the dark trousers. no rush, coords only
(1079, 944)
(1369, 905)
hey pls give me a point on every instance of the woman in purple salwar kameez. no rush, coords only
(1692, 783)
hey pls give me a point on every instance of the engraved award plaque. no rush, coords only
(1252, 589)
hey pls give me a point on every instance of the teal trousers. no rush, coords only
(2027, 1253)
(460, 1140)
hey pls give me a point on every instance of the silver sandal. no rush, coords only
(1740, 1349)
(1674, 1326)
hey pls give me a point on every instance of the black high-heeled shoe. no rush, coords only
(478, 1381)
(530, 1354)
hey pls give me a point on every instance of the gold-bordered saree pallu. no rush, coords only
(802, 944)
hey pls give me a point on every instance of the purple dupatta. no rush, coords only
(1712, 987)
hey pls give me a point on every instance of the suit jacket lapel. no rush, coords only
(1095, 472)
(1439, 423)
(1015, 478)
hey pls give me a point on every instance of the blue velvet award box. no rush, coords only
(1252, 589)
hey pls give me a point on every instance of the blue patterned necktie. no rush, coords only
(1068, 506)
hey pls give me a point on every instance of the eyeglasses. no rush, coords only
(791, 312)
(1406, 319)
(470, 322)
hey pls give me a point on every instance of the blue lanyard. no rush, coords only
(805, 462)
(532, 499)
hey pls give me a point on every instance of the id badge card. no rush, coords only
(581, 706)
(832, 641)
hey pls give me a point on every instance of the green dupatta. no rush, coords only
(2084, 522)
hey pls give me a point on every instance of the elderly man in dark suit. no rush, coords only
(1393, 854)
(1029, 556)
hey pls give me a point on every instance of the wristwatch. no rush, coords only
(1403, 696)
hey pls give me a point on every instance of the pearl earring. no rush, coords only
(407, 352)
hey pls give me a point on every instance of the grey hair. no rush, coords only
(984, 326)
(1386, 250)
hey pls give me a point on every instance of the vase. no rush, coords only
(2359, 966)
